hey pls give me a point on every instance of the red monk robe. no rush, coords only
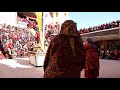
(65, 57)
(92, 60)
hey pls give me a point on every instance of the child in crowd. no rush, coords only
(1, 55)
(8, 56)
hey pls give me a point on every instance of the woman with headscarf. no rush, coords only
(92, 59)
(65, 57)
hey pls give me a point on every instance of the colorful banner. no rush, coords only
(40, 24)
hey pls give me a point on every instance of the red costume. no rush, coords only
(65, 57)
(92, 61)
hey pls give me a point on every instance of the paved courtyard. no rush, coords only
(21, 68)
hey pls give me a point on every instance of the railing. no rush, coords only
(107, 34)
(102, 32)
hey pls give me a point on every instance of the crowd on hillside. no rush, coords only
(109, 25)
(18, 41)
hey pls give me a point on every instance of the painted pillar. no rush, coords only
(40, 25)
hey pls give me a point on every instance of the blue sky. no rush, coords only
(86, 19)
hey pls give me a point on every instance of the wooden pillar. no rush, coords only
(103, 45)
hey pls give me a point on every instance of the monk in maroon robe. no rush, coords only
(65, 57)
(92, 59)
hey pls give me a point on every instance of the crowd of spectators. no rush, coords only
(16, 40)
(109, 25)
(112, 53)
(51, 30)
(30, 22)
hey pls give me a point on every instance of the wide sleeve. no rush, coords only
(83, 56)
(85, 45)
(47, 56)
(50, 52)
